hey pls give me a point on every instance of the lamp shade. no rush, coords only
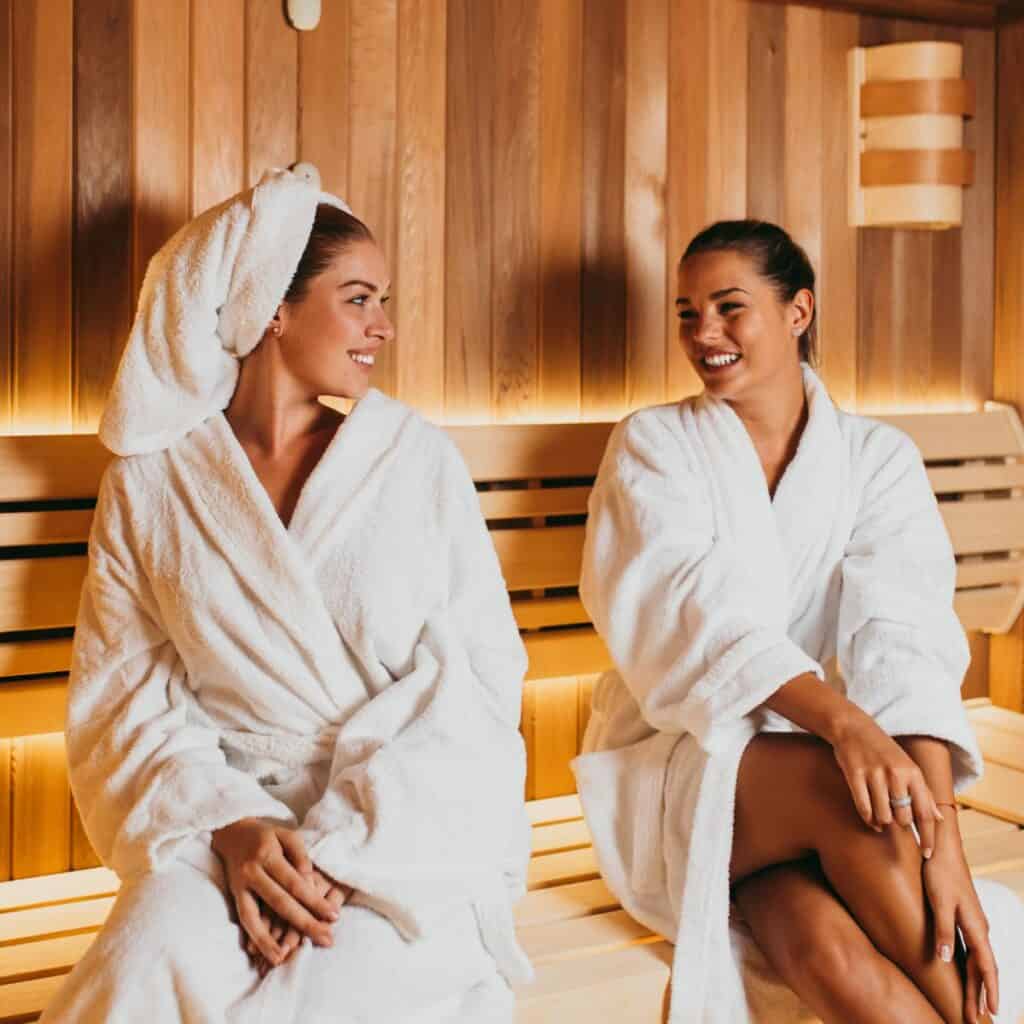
(908, 167)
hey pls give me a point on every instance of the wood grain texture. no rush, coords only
(5, 809)
(469, 211)
(218, 101)
(43, 86)
(603, 269)
(271, 89)
(550, 726)
(6, 208)
(324, 101)
(373, 138)
(161, 127)
(977, 236)
(768, 59)
(1007, 653)
(645, 177)
(41, 813)
(82, 855)
(102, 277)
(420, 247)
(561, 199)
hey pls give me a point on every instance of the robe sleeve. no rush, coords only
(435, 817)
(900, 646)
(147, 781)
(692, 634)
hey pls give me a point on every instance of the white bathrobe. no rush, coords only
(710, 595)
(357, 674)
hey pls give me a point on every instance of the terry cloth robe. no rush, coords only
(357, 674)
(710, 595)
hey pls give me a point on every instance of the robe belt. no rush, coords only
(280, 750)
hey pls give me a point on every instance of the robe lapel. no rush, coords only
(236, 517)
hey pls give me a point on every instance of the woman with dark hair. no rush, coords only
(294, 698)
(783, 734)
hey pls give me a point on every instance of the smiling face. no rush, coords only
(737, 333)
(330, 337)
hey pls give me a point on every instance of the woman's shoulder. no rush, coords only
(868, 437)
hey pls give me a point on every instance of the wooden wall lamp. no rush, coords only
(908, 166)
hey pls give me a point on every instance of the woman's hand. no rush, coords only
(951, 895)
(287, 937)
(267, 866)
(877, 770)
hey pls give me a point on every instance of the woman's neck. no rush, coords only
(269, 410)
(775, 419)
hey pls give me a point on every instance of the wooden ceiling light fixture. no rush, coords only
(908, 167)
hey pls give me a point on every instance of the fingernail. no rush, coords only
(946, 953)
(982, 1008)
(927, 852)
(939, 815)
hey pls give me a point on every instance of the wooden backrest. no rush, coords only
(534, 481)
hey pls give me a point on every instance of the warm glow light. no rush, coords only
(911, 408)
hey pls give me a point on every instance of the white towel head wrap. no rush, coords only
(206, 300)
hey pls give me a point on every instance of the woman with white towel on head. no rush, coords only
(769, 773)
(294, 699)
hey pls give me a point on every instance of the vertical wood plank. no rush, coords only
(1007, 652)
(103, 200)
(603, 352)
(550, 730)
(6, 821)
(584, 704)
(271, 89)
(977, 262)
(803, 184)
(976, 680)
(515, 278)
(218, 101)
(766, 111)
(42, 807)
(6, 211)
(561, 198)
(324, 96)
(43, 215)
(838, 281)
(373, 92)
(727, 90)
(646, 172)
(161, 126)
(469, 224)
(82, 853)
(419, 254)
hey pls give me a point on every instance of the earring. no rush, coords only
(277, 330)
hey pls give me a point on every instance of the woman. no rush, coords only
(774, 582)
(296, 680)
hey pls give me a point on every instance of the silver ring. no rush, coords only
(901, 801)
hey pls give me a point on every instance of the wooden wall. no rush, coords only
(533, 169)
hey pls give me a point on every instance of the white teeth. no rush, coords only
(726, 359)
(365, 360)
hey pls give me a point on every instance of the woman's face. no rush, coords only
(330, 337)
(735, 331)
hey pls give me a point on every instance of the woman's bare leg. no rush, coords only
(821, 952)
(792, 800)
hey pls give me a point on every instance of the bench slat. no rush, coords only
(992, 609)
(36, 959)
(988, 434)
(59, 919)
(566, 835)
(990, 571)
(574, 899)
(967, 478)
(975, 527)
(568, 652)
(994, 852)
(541, 557)
(532, 451)
(543, 501)
(559, 868)
(32, 708)
(53, 526)
(24, 1000)
(47, 889)
(40, 593)
(628, 986)
(583, 936)
(537, 612)
(999, 792)
(51, 467)
(554, 809)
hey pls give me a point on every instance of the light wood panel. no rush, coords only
(533, 171)
(41, 819)
(6, 206)
(42, 192)
(103, 296)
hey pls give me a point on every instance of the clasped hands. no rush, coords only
(280, 895)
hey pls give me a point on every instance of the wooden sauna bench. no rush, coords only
(593, 961)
